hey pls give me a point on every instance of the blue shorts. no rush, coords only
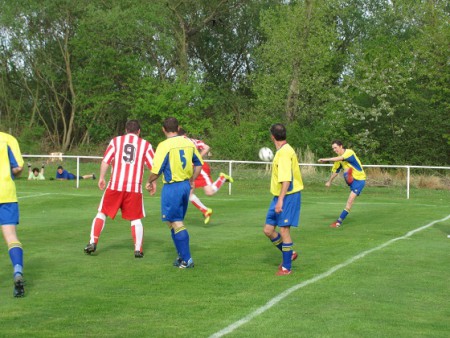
(174, 201)
(290, 216)
(9, 213)
(357, 186)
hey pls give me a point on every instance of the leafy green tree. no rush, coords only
(394, 96)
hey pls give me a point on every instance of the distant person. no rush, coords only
(35, 173)
(62, 175)
(204, 179)
(354, 175)
(11, 165)
(179, 161)
(284, 210)
(127, 155)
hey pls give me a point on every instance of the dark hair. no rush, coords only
(338, 142)
(35, 169)
(132, 126)
(170, 125)
(181, 131)
(278, 131)
(60, 167)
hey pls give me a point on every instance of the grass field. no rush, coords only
(368, 279)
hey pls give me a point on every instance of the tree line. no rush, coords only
(373, 73)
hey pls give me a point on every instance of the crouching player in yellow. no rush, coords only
(354, 175)
(284, 211)
(11, 165)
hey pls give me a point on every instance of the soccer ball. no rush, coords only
(265, 154)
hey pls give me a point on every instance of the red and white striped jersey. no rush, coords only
(199, 144)
(127, 155)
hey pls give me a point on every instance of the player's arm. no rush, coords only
(150, 186)
(332, 159)
(284, 189)
(101, 180)
(205, 150)
(16, 169)
(197, 170)
(332, 177)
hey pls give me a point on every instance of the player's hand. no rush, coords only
(151, 187)
(321, 160)
(101, 184)
(279, 207)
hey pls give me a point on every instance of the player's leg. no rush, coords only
(289, 217)
(9, 218)
(16, 256)
(109, 205)
(207, 212)
(133, 210)
(285, 267)
(346, 211)
(137, 232)
(174, 203)
(90, 176)
(356, 188)
(98, 224)
(181, 239)
(177, 260)
(223, 178)
(273, 235)
(197, 203)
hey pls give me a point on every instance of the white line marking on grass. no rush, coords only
(328, 273)
(32, 196)
(54, 193)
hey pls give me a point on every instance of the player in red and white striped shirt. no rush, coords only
(204, 179)
(127, 155)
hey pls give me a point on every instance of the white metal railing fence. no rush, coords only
(231, 162)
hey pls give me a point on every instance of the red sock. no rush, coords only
(219, 182)
(197, 203)
(97, 228)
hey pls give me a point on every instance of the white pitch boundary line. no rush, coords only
(286, 293)
(54, 193)
(32, 196)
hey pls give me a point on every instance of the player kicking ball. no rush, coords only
(354, 175)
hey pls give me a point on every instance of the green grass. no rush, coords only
(400, 290)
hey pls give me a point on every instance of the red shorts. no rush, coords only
(204, 178)
(130, 203)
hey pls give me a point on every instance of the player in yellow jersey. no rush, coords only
(179, 161)
(11, 165)
(286, 186)
(354, 175)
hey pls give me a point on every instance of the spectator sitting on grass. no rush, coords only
(35, 173)
(62, 175)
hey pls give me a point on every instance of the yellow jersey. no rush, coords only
(285, 168)
(175, 158)
(350, 161)
(9, 154)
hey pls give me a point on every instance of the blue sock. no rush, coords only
(287, 255)
(16, 256)
(181, 237)
(172, 233)
(278, 242)
(343, 215)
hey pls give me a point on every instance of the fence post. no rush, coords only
(230, 172)
(408, 170)
(78, 172)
